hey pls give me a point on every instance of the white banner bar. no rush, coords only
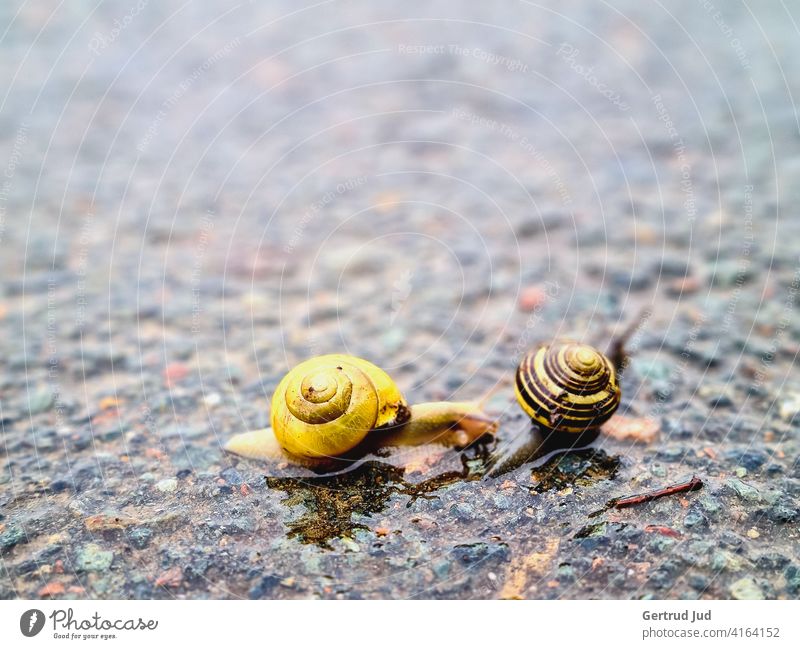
(379, 624)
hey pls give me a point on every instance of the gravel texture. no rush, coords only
(196, 197)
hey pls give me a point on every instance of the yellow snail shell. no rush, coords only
(325, 406)
(567, 386)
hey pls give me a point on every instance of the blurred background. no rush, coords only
(196, 196)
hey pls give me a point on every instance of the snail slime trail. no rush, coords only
(569, 468)
(330, 502)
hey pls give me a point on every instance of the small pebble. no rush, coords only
(350, 544)
(790, 407)
(41, 401)
(51, 589)
(634, 429)
(463, 511)
(746, 588)
(744, 490)
(11, 536)
(168, 485)
(92, 558)
(140, 537)
(531, 298)
(680, 287)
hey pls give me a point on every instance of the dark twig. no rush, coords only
(629, 501)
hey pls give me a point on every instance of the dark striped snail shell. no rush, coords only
(567, 386)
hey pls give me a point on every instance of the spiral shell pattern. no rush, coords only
(567, 386)
(327, 405)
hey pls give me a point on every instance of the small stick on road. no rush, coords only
(629, 501)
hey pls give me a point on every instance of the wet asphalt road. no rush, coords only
(195, 197)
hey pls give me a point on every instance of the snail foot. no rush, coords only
(258, 444)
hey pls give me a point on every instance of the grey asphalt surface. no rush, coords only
(195, 197)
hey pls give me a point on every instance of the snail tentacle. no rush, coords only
(451, 423)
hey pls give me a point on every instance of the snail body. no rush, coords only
(567, 386)
(339, 407)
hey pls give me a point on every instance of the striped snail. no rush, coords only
(567, 386)
(339, 407)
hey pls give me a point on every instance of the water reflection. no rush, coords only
(330, 502)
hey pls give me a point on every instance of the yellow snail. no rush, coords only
(567, 386)
(339, 407)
